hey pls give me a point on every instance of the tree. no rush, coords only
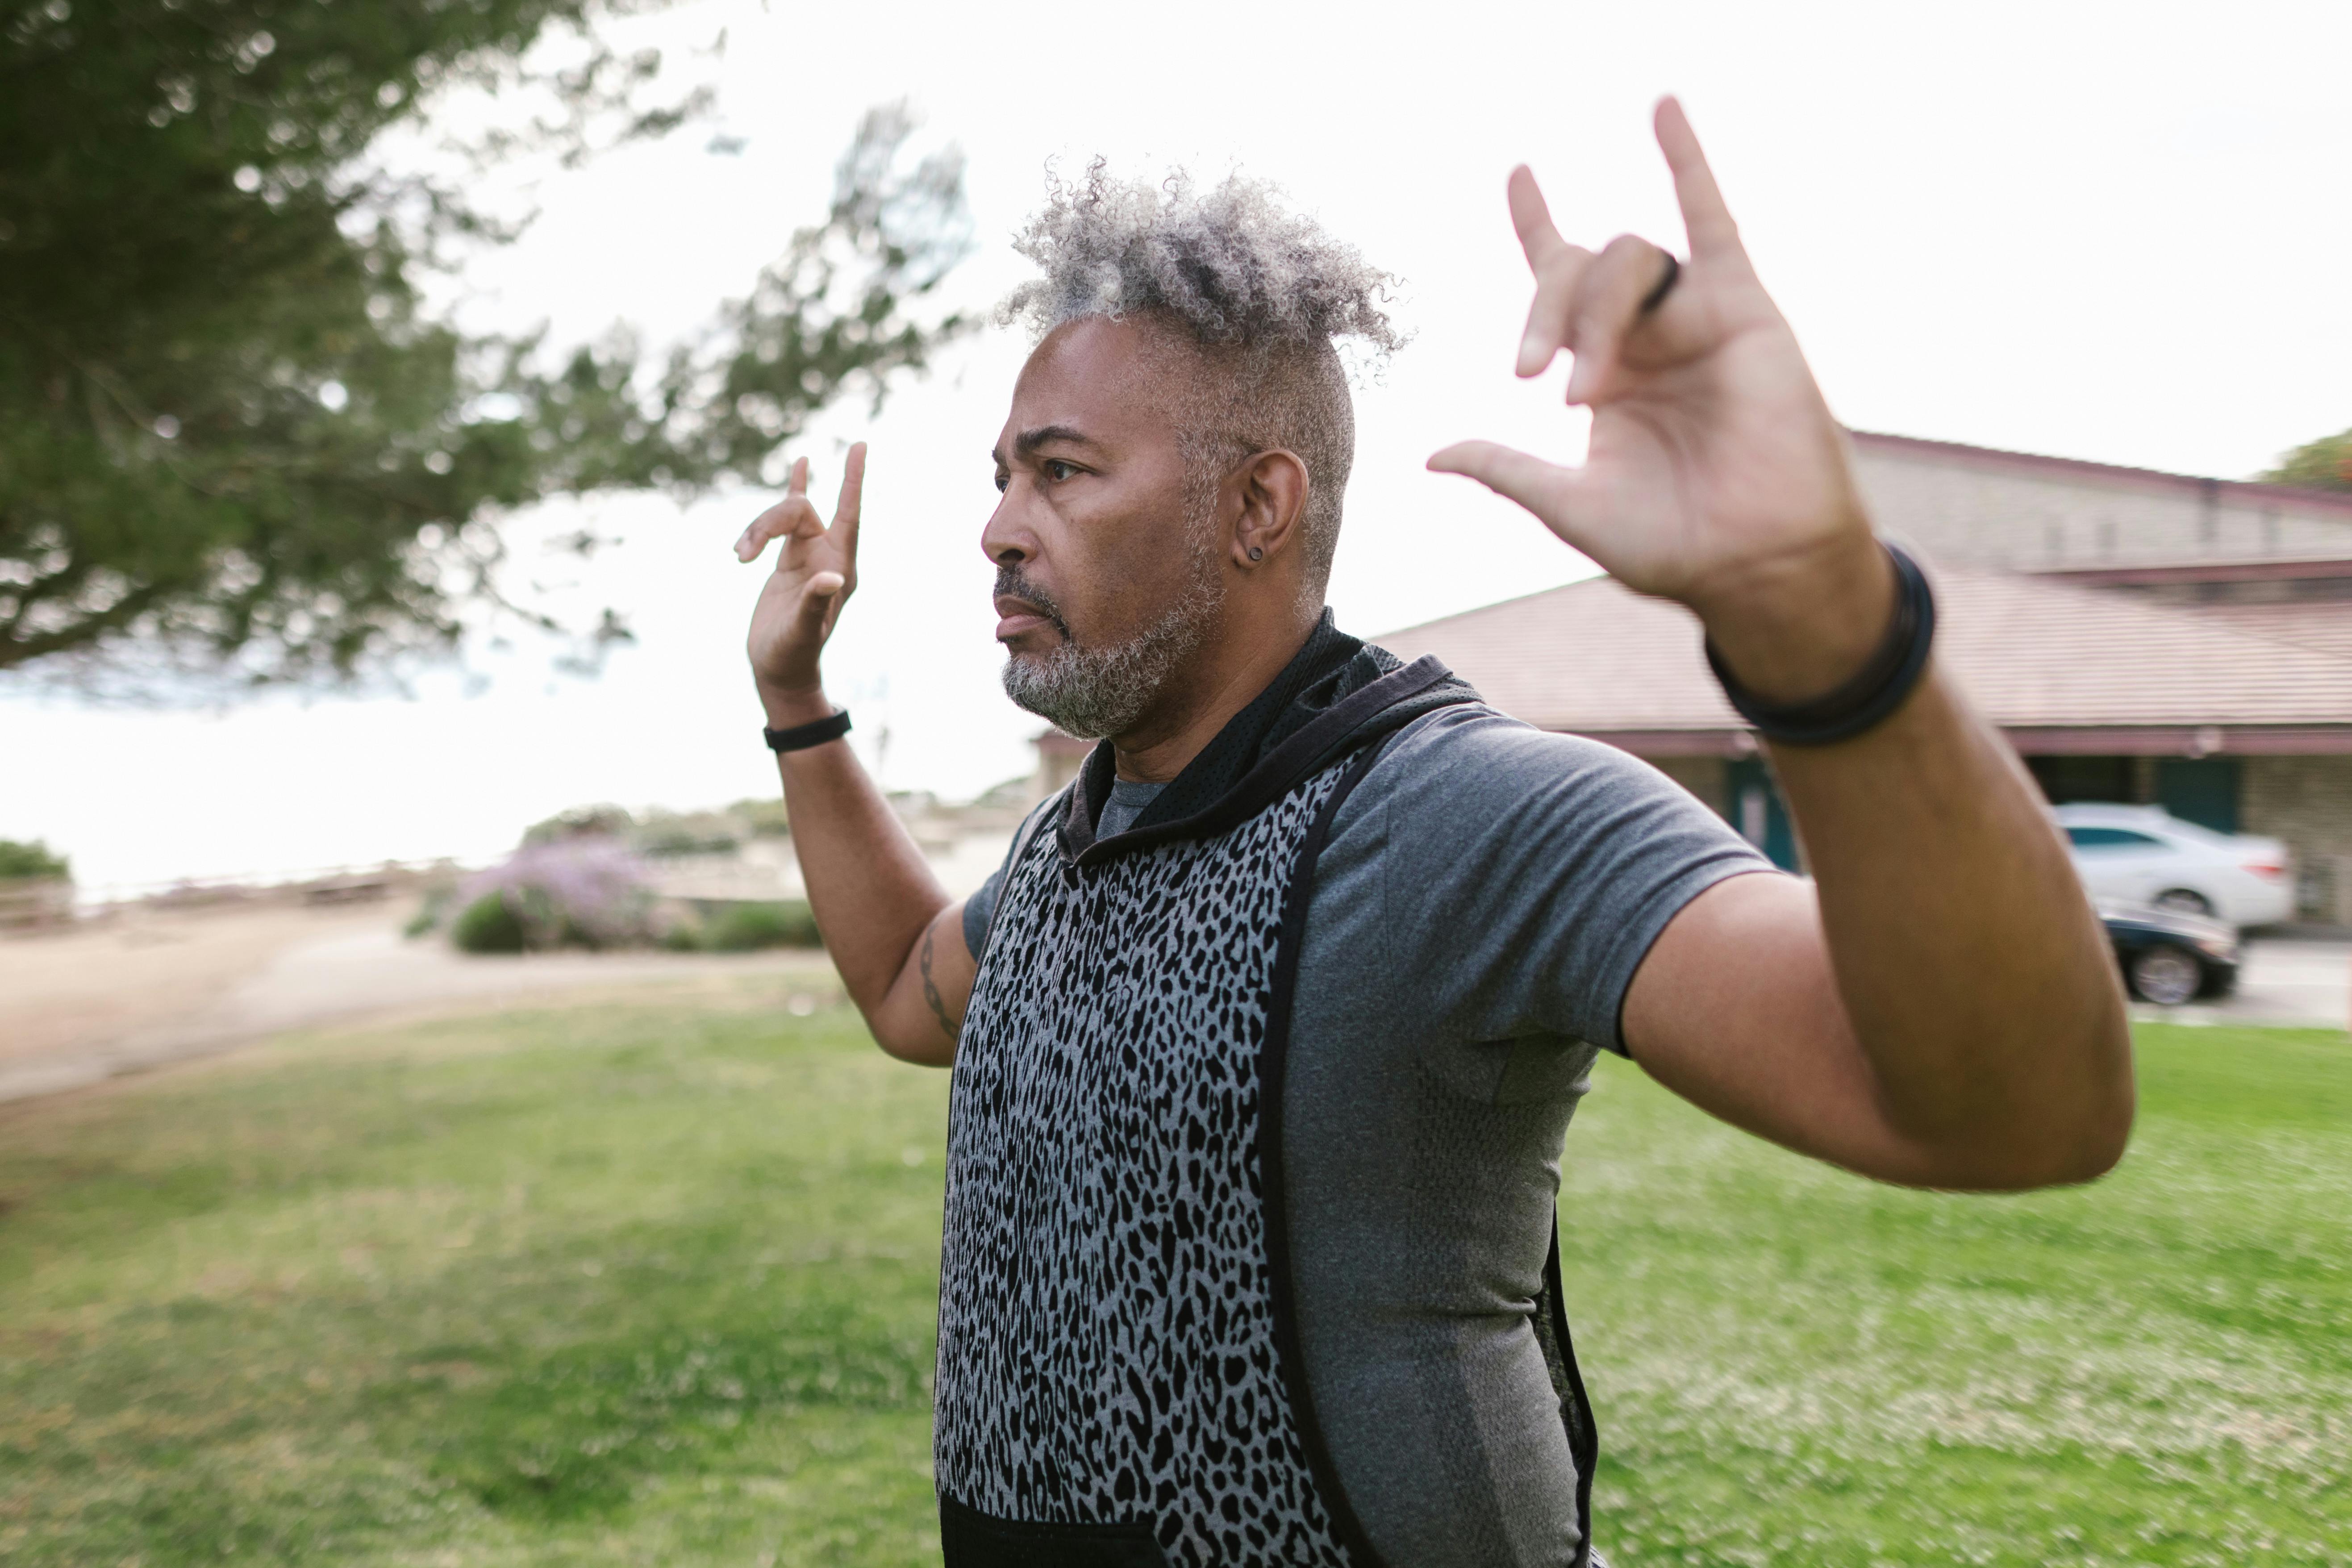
(230, 430)
(2325, 464)
(26, 862)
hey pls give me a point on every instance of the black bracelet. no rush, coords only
(833, 727)
(1876, 691)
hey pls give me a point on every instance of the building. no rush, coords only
(2138, 636)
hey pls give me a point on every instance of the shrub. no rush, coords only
(22, 862)
(746, 927)
(600, 821)
(666, 834)
(574, 892)
(487, 925)
(764, 815)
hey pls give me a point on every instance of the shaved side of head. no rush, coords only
(1246, 297)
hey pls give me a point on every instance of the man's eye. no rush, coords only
(1003, 480)
(1055, 469)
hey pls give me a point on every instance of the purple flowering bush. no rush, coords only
(586, 892)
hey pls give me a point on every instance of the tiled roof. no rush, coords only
(2323, 625)
(1594, 657)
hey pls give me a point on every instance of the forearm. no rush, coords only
(868, 885)
(1970, 964)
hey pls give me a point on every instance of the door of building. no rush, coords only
(2202, 790)
(1757, 811)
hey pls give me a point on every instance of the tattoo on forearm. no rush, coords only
(931, 991)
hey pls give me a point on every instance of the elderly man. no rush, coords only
(1266, 1034)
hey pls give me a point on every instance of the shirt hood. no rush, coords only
(1337, 695)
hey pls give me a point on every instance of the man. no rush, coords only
(1267, 1033)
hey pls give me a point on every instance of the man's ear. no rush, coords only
(1273, 492)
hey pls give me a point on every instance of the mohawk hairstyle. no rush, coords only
(1260, 291)
(1230, 263)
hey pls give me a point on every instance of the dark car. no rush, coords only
(2170, 957)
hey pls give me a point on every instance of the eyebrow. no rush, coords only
(1028, 441)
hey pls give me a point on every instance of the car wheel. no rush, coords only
(2165, 975)
(2187, 900)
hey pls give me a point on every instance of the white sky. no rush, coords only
(2108, 231)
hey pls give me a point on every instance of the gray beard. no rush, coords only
(1091, 692)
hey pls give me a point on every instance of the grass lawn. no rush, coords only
(653, 1281)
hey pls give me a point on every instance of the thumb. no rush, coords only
(1542, 488)
(818, 597)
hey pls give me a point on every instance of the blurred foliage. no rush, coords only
(2325, 464)
(601, 820)
(753, 926)
(766, 818)
(487, 924)
(665, 833)
(23, 862)
(585, 891)
(232, 433)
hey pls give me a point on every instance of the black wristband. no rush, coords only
(832, 727)
(1874, 693)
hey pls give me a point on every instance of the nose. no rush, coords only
(1004, 541)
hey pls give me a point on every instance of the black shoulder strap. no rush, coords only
(1575, 1409)
(1550, 1309)
(1273, 1073)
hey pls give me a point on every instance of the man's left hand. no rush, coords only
(1716, 475)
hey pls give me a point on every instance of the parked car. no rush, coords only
(2144, 855)
(2169, 957)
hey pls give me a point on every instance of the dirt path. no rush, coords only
(154, 988)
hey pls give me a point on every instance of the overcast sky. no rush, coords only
(2109, 231)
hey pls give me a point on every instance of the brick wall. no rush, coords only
(2307, 802)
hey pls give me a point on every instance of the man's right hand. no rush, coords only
(816, 571)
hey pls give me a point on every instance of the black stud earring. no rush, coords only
(1256, 554)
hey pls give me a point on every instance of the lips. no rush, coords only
(1019, 617)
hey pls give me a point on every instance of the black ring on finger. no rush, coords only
(1665, 284)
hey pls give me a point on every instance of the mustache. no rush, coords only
(1012, 585)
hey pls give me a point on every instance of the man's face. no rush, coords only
(1107, 579)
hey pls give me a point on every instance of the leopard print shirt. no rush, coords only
(1107, 1350)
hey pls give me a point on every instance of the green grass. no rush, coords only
(654, 1283)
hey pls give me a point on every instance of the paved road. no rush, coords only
(351, 970)
(2300, 982)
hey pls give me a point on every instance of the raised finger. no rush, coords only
(788, 517)
(1556, 265)
(1705, 218)
(1531, 216)
(1621, 279)
(845, 510)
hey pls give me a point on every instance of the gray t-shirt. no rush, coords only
(1479, 910)
(1127, 800)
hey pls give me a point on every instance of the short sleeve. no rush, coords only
(977, 909)
(1498, 882)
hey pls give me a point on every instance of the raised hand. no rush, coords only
(816, 571)
(1715, 475)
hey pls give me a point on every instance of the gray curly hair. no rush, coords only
(1260, 291)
